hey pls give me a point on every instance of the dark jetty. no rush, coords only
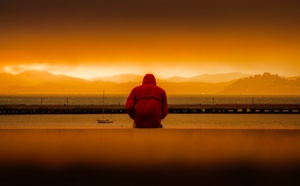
(120, 109)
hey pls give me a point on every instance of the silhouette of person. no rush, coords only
(147, 104)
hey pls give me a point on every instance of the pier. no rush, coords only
(173, 109)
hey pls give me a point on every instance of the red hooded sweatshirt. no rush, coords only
(147, 104)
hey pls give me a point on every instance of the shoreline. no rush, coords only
(173, 109)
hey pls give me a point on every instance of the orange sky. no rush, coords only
(168, 38)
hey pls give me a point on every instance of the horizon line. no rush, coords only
(157, 76)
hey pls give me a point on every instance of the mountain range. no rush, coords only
(206, 78)
(41, 82)
(265, 83)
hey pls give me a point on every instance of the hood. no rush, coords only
(149, 79)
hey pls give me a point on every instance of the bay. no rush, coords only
(114, 99)
(179, 121)
(190, 121)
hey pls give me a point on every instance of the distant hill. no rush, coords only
(34, 77)
(209, 78)
(39, 82)
(264, 84)
(205, 78)
(120, 78)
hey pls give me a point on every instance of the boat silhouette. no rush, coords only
(104, 120)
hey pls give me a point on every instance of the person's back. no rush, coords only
(147, 104)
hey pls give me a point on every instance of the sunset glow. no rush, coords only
(149, 92)
(89, 39)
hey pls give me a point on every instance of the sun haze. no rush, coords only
(169, 38)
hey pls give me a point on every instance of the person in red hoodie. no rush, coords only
(147, 104)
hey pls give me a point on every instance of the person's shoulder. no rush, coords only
(161, 89)
(139, 86)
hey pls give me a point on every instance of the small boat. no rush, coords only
(104, 120)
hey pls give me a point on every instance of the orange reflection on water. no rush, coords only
(149, 147)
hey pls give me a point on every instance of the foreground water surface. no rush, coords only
(219, 121)
(200, 153)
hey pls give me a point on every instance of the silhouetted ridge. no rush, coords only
(40, 82)
(209, 78)
(264, 84)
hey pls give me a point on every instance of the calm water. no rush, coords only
(223, 121)
(226, 121)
